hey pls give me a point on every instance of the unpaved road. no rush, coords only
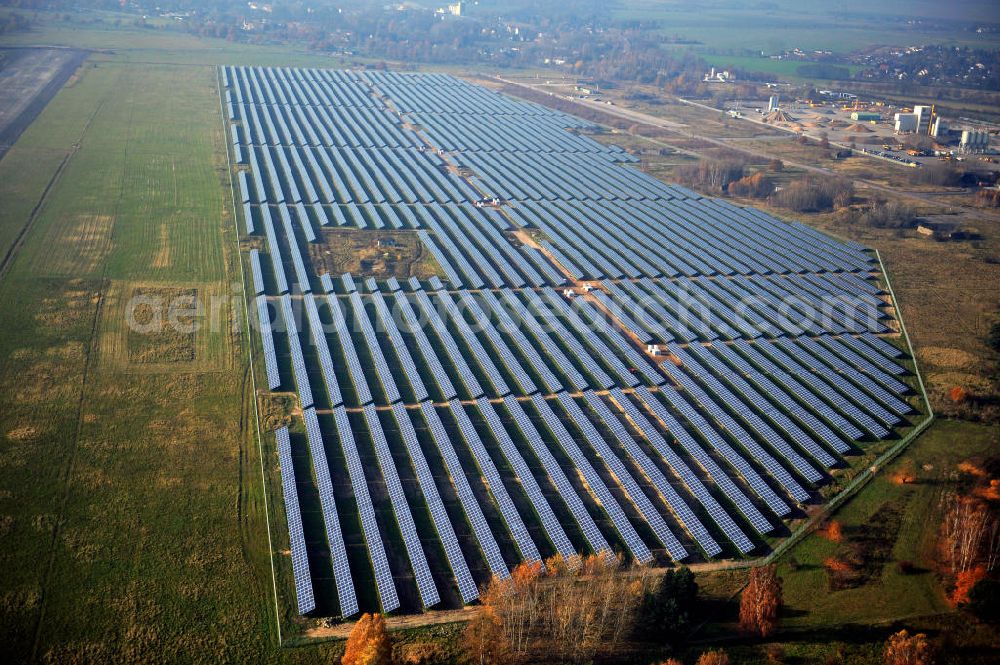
(685, 131)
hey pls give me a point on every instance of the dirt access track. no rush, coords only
(29, 78)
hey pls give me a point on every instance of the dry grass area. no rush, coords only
(275, 410)
(153, 327)
(158, 336)
(162, 258)
(77, 245)
(368, 253)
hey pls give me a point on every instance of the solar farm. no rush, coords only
(603, 361)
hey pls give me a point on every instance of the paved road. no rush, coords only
(685, 131)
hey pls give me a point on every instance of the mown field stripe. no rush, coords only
(249, 350)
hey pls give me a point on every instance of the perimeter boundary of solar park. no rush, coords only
(238, 179)
(863, 478)
(248, 346)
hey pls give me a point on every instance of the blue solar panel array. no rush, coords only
(401, 509)
(442, 525)
(741, 355)
(466, 497)
(526, 547)
(388, 598)
(343, 580)
(267, 339)
(296, 539)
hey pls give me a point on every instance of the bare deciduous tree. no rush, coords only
(967, 526)
(575, 606)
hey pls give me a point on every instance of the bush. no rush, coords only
(938, 174)
(905, 649)
(760, 603)
(881, 214)
(713, 658)
(711, 175)
(368, 643)
(993, 337)
(755, 186)
(984, 601)
(988, 198)
(812, 194)
(775, 654)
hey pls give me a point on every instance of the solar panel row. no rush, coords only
(296, 539)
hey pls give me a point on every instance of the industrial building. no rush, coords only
(924, 115)
(906, 123)
(974, 141)
(939, 129)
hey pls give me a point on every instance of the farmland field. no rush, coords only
(729, 27)
(122, 512)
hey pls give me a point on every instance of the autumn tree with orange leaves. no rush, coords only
(761, 601)
(834, 531)
(964, 582)
(905, 649)
(572, 606)
(713, 658)
(368, 643)
(484, 642)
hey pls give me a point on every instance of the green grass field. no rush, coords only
(130, 493)
(786, 69)
(730, 27)
(818, 622)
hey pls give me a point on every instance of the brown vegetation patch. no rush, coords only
(162, 258)
(66, 310)
(158, 333)
(68, 351)
(401, 622)
(46, 381)
(175, 329)
(78, 544)
(275, 410)
(20, 600)
(77, 246)
(23, 433)
(372, 253)
(865, 549)
(947, 357)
